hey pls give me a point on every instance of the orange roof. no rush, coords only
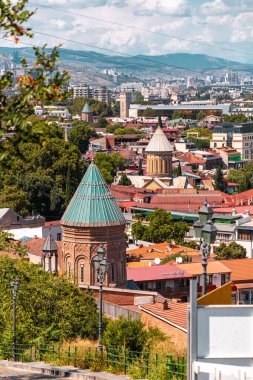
(242, 269)
(34, 246)
(161, 250)
(245, 285)
(213, 267)
(176, 313)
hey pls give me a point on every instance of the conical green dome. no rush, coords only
(93, 204)
(86, 108)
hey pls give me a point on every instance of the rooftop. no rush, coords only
(176, 313)
(213, 267)
(157, 272)
(93, 205)
(242, 269)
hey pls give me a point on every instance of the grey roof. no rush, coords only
(50, 245)
(225, 108)
(206, 209)
(159, 143)
(224, 227)
(3, 211)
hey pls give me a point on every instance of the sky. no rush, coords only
(224, 23)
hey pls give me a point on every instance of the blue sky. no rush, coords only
(225, 23)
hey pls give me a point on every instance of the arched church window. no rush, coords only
(82, 273)
(69, 269)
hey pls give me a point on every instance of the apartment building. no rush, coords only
(85, 91)
(237, 136)
(81, 91)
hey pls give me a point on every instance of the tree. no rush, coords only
(178, 170)
(14, 198)
(138, 230)
(124, 180)
(56, 311)
(148, 112)
(235, 118)
(99, 108)
(200, 116)
(160, 123)
(140, 170)
(80, 135)
(242, 176)
(177, 115)
(161, 228)
(231, 251)
(38, 174)
(40, 84)
(130, 335)
(109, 164)
(102, 123)
(219, 183)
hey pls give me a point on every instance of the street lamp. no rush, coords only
(101, 266)
(209, 232)
(15, 287)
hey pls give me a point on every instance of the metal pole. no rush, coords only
(56, 264)
(192, 331)
(49, 263)
(204, 273)
(100, 326)
(15, 286)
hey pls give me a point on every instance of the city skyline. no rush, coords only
(218, 28)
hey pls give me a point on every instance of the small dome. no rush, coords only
(159, 143)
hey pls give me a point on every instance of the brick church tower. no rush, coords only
(159, 155)
(93, 220)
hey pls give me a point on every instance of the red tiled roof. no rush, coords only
(35, 246)
(242, 269)
(176, 313)
(53, 223)
(156, 272)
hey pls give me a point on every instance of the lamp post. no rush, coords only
(15, 287)
(101, 266)
(209, 232)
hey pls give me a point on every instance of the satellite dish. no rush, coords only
(179, 260)
(157, 261)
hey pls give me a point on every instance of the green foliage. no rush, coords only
(167, 259)
(200, 115)
(177, 115)
(161, 228)
(201, 144)
(101, 109)
(102, 123)
(111, 128)
(140, 170)
(236, 118)
(80, 135)
(202, 132)
(231, 251)
(138, 230)
(37, 176)
(8, 244)
(139, 99)
(56, 311)
(148, 112)
(177, 172)
(130, 335)
(16, 199)
(219, 183)
(109, 164)
(242, 176)
(124, 180)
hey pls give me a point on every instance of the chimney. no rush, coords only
(233, 211)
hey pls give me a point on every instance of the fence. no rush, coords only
(116, 311)
(136, 364)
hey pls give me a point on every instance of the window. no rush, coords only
(69, 269)
(58, 236)
(113, 272)
(82, 273)
(209, 279)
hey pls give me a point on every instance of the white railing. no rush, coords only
(221, 371)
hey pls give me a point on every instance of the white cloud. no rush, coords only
(216, 7)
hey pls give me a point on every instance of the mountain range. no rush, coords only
(141, 63)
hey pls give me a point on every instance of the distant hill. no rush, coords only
(180, 61)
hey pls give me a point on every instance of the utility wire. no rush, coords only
(83, 55)
(123, 54)
(140, 29)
